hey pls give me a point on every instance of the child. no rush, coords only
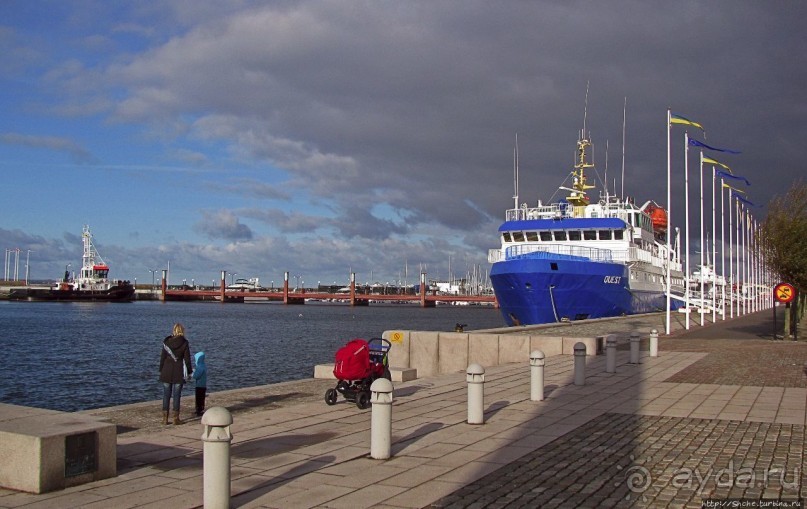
(200, 376)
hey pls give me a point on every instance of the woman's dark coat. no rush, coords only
(170, 371)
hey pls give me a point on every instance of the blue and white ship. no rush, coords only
(577, 260)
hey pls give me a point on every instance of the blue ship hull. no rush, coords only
(545, 288)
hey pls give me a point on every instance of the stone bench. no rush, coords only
(325, 371)
(46, 450)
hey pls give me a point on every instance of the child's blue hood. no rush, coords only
(199, 357)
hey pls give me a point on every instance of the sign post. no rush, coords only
(784, 293)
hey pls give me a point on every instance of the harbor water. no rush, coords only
(81, 355)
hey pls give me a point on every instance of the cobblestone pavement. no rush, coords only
(623, 460)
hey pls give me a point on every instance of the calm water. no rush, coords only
(76, 356)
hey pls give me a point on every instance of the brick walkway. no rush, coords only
(622, 460)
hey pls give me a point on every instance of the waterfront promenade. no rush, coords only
(720, 413)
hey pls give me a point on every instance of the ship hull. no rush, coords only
(547, 289)
(120, 293)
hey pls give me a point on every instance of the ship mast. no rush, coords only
(578, 196)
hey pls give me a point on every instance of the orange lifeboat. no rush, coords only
(659, 217)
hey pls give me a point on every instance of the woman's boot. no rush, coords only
(165, 416)
(176, 418)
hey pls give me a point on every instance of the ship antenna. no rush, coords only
(624, 112)
(585, 111)
(605, 178)
(515, 173)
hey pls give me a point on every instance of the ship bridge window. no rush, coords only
(506, 237)
(575, 235)
(560, 235)
(546, 236)
(518, 236)
(589, 235)
(532, 236)
(618, 234)
(605, 234)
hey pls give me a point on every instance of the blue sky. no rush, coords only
(324, 137)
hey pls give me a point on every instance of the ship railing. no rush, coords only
(542, 212)
(591, 253)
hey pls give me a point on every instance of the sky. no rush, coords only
(323, 138)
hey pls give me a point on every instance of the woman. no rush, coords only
(175, 362)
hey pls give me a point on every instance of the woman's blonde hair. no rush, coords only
(178, 330)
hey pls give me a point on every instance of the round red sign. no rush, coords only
(784, 292)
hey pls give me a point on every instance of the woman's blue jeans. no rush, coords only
(168, 389)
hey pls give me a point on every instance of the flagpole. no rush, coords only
(714, 249)
(702, 299)
(723, 249)
(731, 257)
(669, 227)
(686, 221)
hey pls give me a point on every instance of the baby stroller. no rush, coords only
(358, 364)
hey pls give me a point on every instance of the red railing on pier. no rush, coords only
(222, 294)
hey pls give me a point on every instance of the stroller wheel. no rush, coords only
(363, 400)
(330, 396)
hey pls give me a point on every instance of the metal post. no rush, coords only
(579, 364)
(634, 347)
(653, 343)
(216, 457)
(610, 354)
(537, 363)
(381, 419)
(475, 376)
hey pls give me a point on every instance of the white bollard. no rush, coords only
(475, 376)
(579, 364)
(381, 419)
(537, 363)
(216, 457)
(634, 347)
(653, 343)
(610, 354)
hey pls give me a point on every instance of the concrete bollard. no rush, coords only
(537, 363)
(653, 343)
(579, 364)
(381, 419)
(610, 354)
(634, 347)
(475, 376)
(216, 457)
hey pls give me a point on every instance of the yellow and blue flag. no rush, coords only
(678, 119)
(709, 160)
(733, 188)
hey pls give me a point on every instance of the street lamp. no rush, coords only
(232, 277)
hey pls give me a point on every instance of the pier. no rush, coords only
(355, 298)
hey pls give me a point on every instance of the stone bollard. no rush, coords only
(537, 363)
(653, 343)
(216, 457)
(475, 376)
(579, 364)
(381, 419)
(610, 354)
(634, 347)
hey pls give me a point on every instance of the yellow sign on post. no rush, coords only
(784, 292)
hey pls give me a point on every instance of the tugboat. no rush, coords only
(93, 283)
